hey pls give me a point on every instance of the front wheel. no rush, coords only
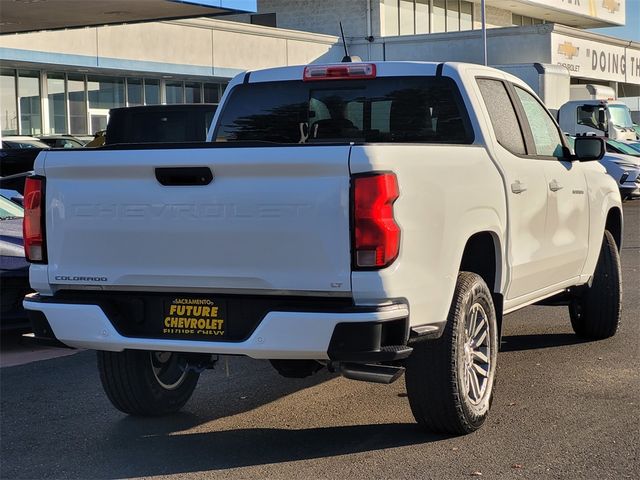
(450, 380)
(596, 313)
(146, 383)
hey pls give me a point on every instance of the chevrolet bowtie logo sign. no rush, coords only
(568, 50)
(612, 5)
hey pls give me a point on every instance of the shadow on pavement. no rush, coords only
(199, 452)
(514, 343)
(57, 413)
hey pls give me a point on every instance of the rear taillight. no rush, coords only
(33, 223)
(376, 237)
(342, 71)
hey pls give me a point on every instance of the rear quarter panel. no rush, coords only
(447, 193)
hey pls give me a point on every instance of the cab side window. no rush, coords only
(503, 115)
(588, 116)
(546, 135)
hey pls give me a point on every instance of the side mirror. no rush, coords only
(602, 119)
(589, 148)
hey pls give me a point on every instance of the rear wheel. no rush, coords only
(450, 380)
(596, 313)
(146, 383)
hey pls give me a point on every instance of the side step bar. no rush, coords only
(370, 373)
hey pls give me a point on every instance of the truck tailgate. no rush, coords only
(272, 219)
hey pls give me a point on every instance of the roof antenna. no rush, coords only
(347, 58)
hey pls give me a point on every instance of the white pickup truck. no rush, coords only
(365, 217)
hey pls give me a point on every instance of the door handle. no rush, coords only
(554, 186)
(184, 176)
(518, 187)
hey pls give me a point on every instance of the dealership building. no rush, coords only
(57, 80)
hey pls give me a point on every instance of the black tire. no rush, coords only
(144, 383)
(436, 372)
(596, 313)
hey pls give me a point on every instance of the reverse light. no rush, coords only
(342, 71)
(376, 238)
(33, 222)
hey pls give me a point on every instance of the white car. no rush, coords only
(364, 217)
(622, 162)
(625, 169)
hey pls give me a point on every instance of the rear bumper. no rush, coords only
(279, 335)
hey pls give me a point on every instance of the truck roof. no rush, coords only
(383, 69)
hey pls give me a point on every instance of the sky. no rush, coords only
(631, 31)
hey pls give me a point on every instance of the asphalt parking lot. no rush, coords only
(563, 409)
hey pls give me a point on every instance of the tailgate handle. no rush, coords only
(184, 176)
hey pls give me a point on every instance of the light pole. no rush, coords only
(484, 32)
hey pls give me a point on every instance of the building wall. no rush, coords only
(513, 45)
(105, 63)
(496, 17)
(323, 16)
(204, 47)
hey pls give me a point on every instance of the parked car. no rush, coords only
(14, 269)
(12, 187)
(21, 142)
(625, 148)
(625, 170)
(62, 141)
(160, 123)
(369, 218)
(18, 154)
(622, 162)
(635, 146)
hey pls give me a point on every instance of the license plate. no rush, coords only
(195, 318)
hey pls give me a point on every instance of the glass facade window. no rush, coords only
(192, 93)
(211, 93)
(466, 16)
(56, 97)
(105, 92)
(8, 106)
(523, 21)
(391, 17)
(407, 19)
(29, 102)
(151, 91)
(439, 19)
(422, 16)
(453, 16)
(174, 93)
(134, 92)
(77, 104)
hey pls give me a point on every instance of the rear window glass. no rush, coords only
(398, 109)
